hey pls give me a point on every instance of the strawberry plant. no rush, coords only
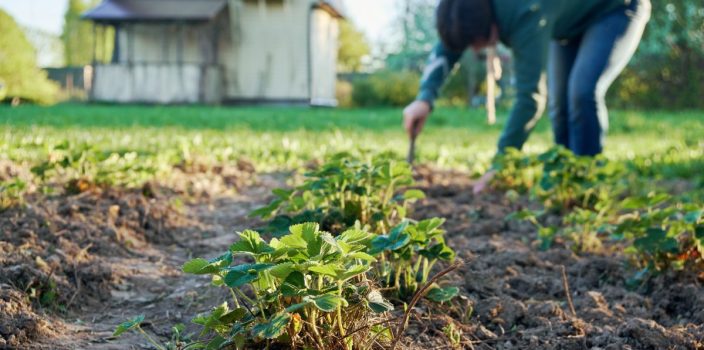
(569, 181)
(308, 289)
(407, 255)
(663, 236)
(343, 191)
(515, 171)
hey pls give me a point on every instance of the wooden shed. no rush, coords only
(219, 51)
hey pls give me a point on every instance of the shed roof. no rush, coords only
(155, 10)
(335, 7)
(175, 10)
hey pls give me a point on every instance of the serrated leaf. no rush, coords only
(294, 285)
(354, 236)
(251, 243)
(356, 270)
(215, 343)
(196, 266)
(273, 328)
(129, 325)
(442, 295)
(330, 270)
(656, 240)
(236, 279)
(282, 270)
(233, 316)
(362, 256)
(328, 302)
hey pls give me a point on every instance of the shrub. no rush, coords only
(385, 89)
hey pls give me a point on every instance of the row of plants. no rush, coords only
(605, 201)
(342, 254)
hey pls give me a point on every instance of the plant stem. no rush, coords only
(234, 297)
(149, 339)
(339, 311)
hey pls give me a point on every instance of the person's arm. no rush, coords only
(440, 64)
(530, 50)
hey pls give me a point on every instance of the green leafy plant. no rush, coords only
(454, 335)
(515, 171)
(664, 236)
(343, 191)
(135, 324)
(569, 181)
(307, 289)
(407, 255)
(11, 193)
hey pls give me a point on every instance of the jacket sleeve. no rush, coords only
(440, 64)
(530, 50)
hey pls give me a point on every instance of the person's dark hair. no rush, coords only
(462, 23)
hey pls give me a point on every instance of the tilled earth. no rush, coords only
(72, 267)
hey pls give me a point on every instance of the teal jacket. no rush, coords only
(527, 27)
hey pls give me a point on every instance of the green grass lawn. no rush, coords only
(119, 138)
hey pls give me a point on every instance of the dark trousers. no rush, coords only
(581, 71)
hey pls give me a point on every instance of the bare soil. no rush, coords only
(72, 267)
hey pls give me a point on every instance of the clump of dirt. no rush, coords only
(19, 324)
(517, 292)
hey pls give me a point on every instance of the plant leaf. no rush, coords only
(377, 303)
(328, 302)
(129, 325)
(273, 328)
(362, 256)
(251, 243)
(441, 295)
(413, 195)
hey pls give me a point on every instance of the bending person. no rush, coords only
(576, 48)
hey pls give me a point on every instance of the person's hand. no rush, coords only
(483, 183)
(414, 117)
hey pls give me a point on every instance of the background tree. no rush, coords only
(416, 23)
(354, 46)
(668, 69)
(18, 71)
(79, 39)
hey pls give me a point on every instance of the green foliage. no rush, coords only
(309, 289)
(83, 163)
(18, 71)
(600, 200)
(665, 235)
(79, 38)
(353, 48)
(343, 191)
(407, 255)
(385, 88)
(347, 192)
(666, 72)
(128, 326)
(416, 23)
(568, 181)
(559, 179)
